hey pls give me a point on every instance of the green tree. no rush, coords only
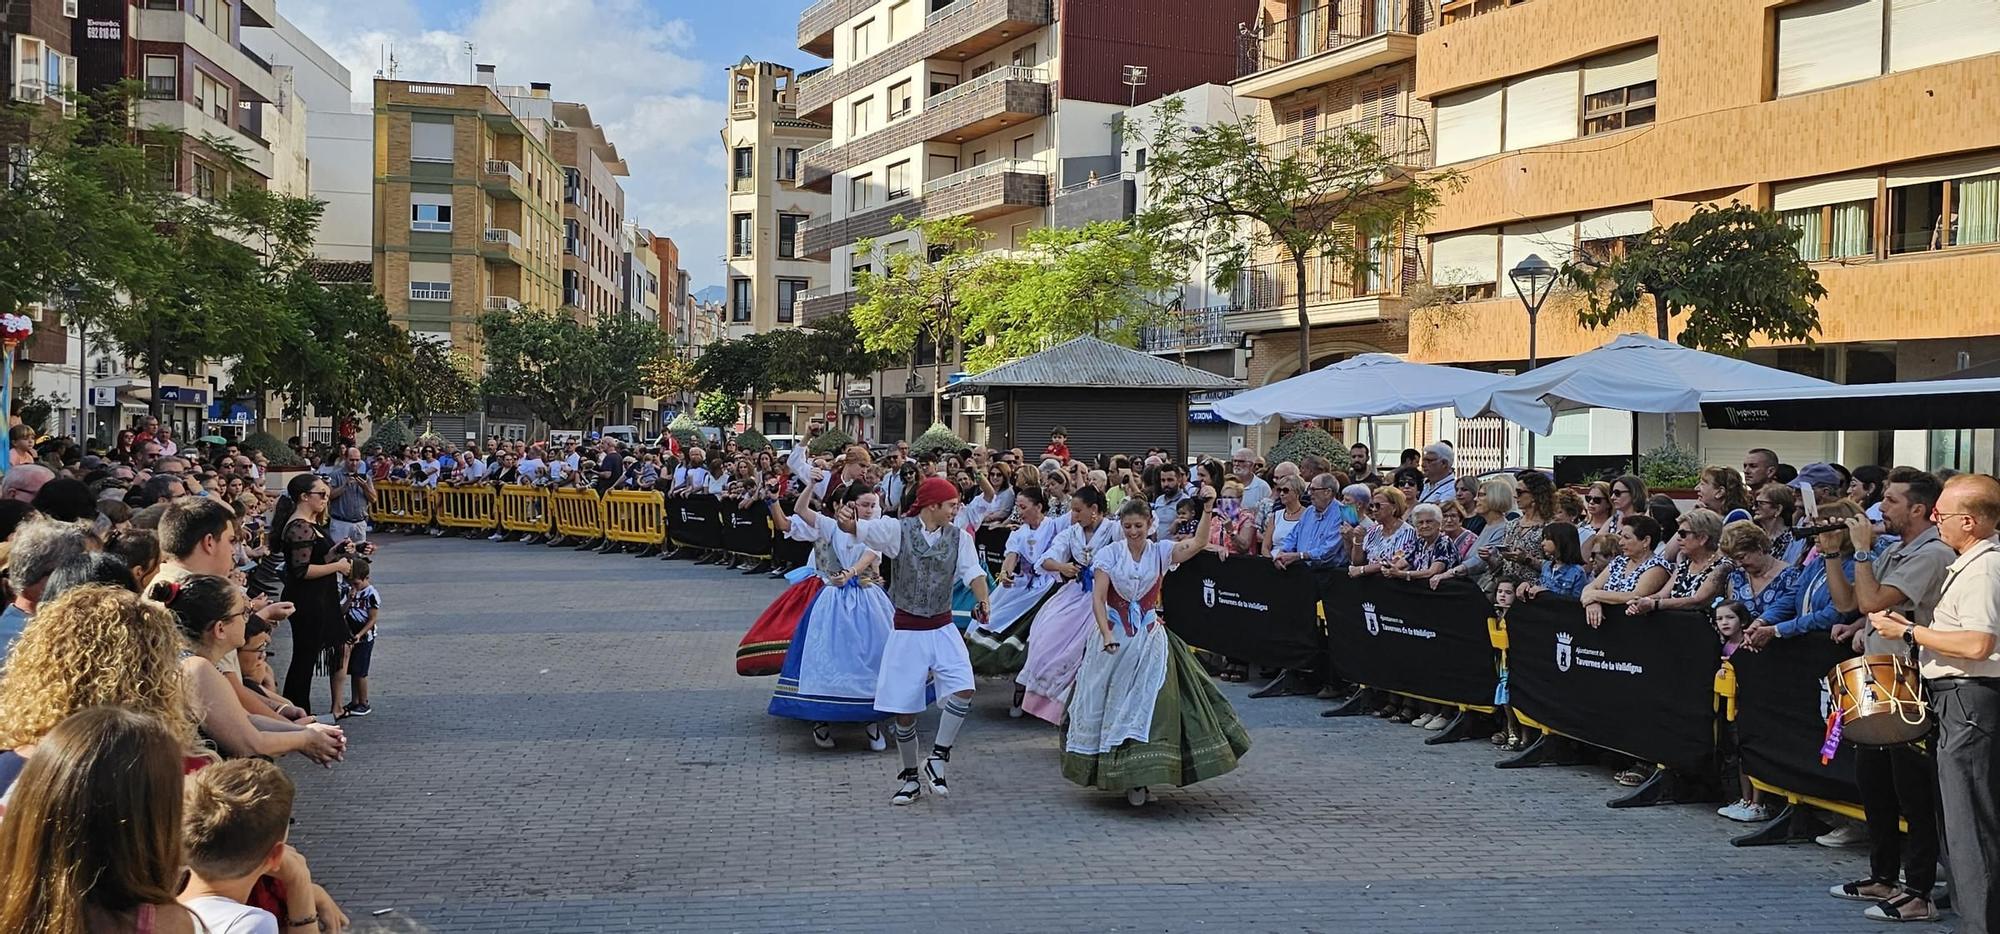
(753, 367)
(441, 379)
(921, 293)
(337, 352)
(1731, 272)
(670, 375)
(1099, 279)
(1332, 196)
(565, 372)
(716, 410)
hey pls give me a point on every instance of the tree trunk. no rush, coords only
(153, 370)
(1305, 323)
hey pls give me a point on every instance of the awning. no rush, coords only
(1633, 373)
(1358, 387)
(1937, 403)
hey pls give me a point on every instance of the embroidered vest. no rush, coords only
(921, 585)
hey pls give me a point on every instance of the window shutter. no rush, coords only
(431, 142)
(1541, 109)
(1938, 170)
(1837, 189)
(1622, 69)
(1828, 42)
(1926, 32)
(1553, 239)
(1620, 222)
(1468, 124)
(1465, 258)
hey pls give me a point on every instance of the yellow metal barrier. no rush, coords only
(463, 507)
(524, 509)
(578, 513)
(636, 516)
(399, 503)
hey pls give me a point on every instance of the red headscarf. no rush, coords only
(932, 491)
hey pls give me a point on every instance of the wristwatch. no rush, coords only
(1910, 636)
(1863, 557)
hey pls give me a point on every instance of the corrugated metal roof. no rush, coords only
(1091, 363)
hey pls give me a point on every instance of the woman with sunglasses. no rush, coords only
(211, 614)
(312, 562)
(1628, 498)
(1598, 516)
(1700, 571)
(1287, 509)
(1375, 548)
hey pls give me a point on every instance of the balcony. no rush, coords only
(505, 179)
(1403, 140)
(1331, 40)
(1335, 293)
(956, 32)
(182, 117)
(817, 23)
(179, 28)
(503, 303)
(989, 190)
(823, 302)
(1098, 198)
(1192, 329)
(503, 245)
(1000, 98)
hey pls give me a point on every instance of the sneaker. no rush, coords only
(1845, 835)
(909, 789)
(1437, 722)
(1422, 721)
(822, 736)
(876, 741)
(359, 710)
(934, 777)
(495, 537)
(1136, 797)
(1733, 809)
(1014, 711)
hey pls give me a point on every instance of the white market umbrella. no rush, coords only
(1358, 387)
(1633, 373)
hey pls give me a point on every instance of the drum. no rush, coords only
(1880, 699)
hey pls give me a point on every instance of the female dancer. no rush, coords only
(835, 656)
(1145, 713)
(1057, 637)
(999, 645)
(311, 562)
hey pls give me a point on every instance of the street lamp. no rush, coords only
(1533, 279)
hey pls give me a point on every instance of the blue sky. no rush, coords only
(651, 71)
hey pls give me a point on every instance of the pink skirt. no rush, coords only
(1056, 643)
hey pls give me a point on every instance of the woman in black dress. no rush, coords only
(312, 561)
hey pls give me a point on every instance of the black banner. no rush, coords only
(694, 521)
(1781, 710)
(1641, 685)
(1403, 636)
(1245, 608)
(748, 529)
(992, 543)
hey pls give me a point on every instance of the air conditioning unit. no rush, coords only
(69, 8)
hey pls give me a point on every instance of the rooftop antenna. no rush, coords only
(1134, 77)
(394, 66)
(469, 77)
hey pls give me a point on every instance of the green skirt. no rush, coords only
(1005, 651)
(1194, 736)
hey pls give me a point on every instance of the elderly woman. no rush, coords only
(1455, 532)
(1354, 499)
(1372, 550)
(1235, 530)
(1429, 552)
(1700, 571)
(1721, 490)
(1816, 611)
(1496, 497)
(1635, 571)
(1767, 587)
(1773, 508)
(1288, 507)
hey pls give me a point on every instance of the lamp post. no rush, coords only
(1533, 279)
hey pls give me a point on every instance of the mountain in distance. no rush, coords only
(713, 293)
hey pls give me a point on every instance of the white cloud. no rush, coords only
(634, 66)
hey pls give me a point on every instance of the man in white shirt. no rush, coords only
(1440, 482)
(1256, 492)
(931, 554)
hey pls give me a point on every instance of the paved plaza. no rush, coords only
(560, 743)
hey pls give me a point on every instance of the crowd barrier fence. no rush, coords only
(637, 517)
(463, 507)
(398, 503)
(578, 513)
(524, 509)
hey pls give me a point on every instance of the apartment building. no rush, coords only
(975, 108)
(467, 207)
(767, 273)
(1864, 123)
(593, 202)
(41, 71)
(316, 92)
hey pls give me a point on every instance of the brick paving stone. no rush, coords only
(560, 743)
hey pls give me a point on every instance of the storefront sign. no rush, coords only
(1205, 417)
(182, 395)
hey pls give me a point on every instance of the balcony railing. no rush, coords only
(1403, 140)
(501, 236)
(988, 170)
(163, 88)
(501, 168)
(1330, 25)
(1274, 286)
(1190, 329)
(502, 303)
(987, 80)
(818, 291)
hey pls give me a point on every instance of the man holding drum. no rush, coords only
(1961, 668)
(1898, 783)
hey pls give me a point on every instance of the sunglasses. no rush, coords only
(1683, 533)
(1593, 499)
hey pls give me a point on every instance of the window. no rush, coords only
(857, 123)
(1946, 203)
(572, 186)
(739, 300)
(165, 163)
(899, 99)
(902, 20)
(60, 77)
(855, 275)
(1025, 56)
(1926, 32)
(788, 235)
(858, 191)
(207, 181)
(979, 157)
(1551, 238)
(899, 180)
(1618, 90)
(215, 93)
(431, 142)
(1827, 42)
(941, 166)
(745, 161)
(430, 212)
(1140, 159)
(942, 82)
(1024, 146)
(28, 69)
(1541, 109)
(163, 78)
(740, 235)
(788, 298)
(1605, 235)
(860, 48)
(1467, 262)
(214, 14)
(572, 237)
(788, 164)
(1620, 108)
(741, 99)
(1468, 124)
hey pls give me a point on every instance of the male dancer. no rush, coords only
(930, 553)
